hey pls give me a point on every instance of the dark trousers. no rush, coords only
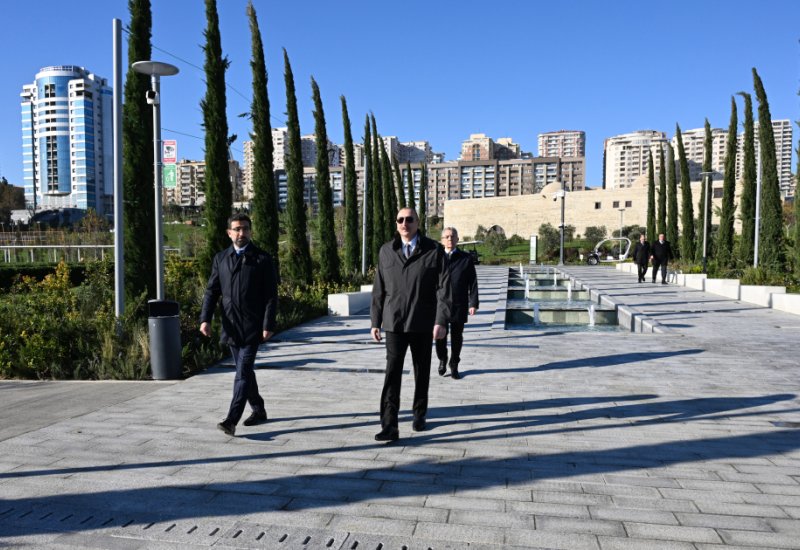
(245, 387)
(660, 263)
(643, 270)
(456, 331)
(396, 345)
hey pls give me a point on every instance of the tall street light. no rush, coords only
(621, 212)
(156, 70)
(561, 194)
(706, 191)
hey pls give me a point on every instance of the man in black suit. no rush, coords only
(661, 254)
(464, 286)
(244, 276)
(410, 301)
(641, 255)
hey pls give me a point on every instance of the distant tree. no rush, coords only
(725, 234)
(389, 195)
(704, 203)
(11, 198)
(687, 210)
(378, 218)
(662, 196)
(369, 192)
(771, 241)
(672, 201)
(328, 251)
(423, 200)
(298, 257)
(398, 182)
(352, 252)
(412, 203)
(549, 239)
(651, 197)
(219, 195)
(595, 233)
(495, 241)
(264, 209)
(747, 210)
(137, 157)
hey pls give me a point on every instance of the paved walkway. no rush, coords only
(599, 440)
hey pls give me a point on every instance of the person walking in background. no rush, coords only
(641, 255)
(244, 276)
(464, 288)
(410, 301)
(661, 254)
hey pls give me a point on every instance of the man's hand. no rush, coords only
(266, 335)
(376, 334)
(439, 332)
(205, 329)
(472, 310)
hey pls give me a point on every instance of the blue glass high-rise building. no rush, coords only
(66, 140)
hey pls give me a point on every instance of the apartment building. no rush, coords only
(66, 140)
(694, 147)
(626, 157)
(190, 184)
(782, 131)
(562, 143)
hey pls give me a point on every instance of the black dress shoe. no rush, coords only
(442, 367)
(256, 418)
(454, 373)
(228, 427)
(663, 282)
(418, 425)
(387, 434)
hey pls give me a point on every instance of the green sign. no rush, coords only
(169, 176)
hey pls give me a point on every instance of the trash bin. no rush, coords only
(164, 324)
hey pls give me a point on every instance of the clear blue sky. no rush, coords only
(438, 70)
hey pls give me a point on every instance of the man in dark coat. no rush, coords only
(410, 301)
(641, 255)
(661, 254)
(244, 276)
(464, 286)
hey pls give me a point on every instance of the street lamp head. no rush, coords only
(155, 68)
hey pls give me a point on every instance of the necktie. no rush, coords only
(408, 251)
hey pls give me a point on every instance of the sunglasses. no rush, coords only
(407, 219)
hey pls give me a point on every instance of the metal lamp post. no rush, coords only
(706, 191)
(561, 193)
(621, 212)
(156, 70)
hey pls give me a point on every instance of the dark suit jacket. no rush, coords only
(661, 252)
(249, 290)
(641, 253)
(411, 295)
(464, 284)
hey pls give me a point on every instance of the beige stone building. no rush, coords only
(563, 143)
(626, 157)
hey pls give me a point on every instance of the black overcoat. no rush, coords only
(641, 253)
(249, 290)
(661, 251)
(411, 295)
(464, 284)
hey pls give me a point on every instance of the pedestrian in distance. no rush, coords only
(641, 255)
(464, 289)
(661, 254)
(410, 301)
(244, 277)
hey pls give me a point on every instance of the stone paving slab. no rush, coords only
(686, 438)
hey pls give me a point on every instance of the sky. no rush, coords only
(436, 70)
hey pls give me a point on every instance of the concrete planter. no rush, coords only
(723, 287)
(691, 280)
(759, 295)
(348, 303)
(790, 303)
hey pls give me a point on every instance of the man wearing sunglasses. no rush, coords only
(411, 301)
(244, 276)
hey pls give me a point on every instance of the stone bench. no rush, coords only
(790, 303)
(349, 303)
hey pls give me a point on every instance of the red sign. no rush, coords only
(169, 153)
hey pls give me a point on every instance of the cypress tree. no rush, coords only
(328, 253)
(687, 210)
(137, 154)
(796, 252)
(423, 200)
(264, 211)
(703, 205)
(352, 252)
(651, 198)
(369, 192)
(378, 219)
(747, 211)
(298, 258)
(771, 241)
(389, 197)
(219, 195)
(672, 201)
(398, 181)
(662, 196)
(412, 203)
(724, 248)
